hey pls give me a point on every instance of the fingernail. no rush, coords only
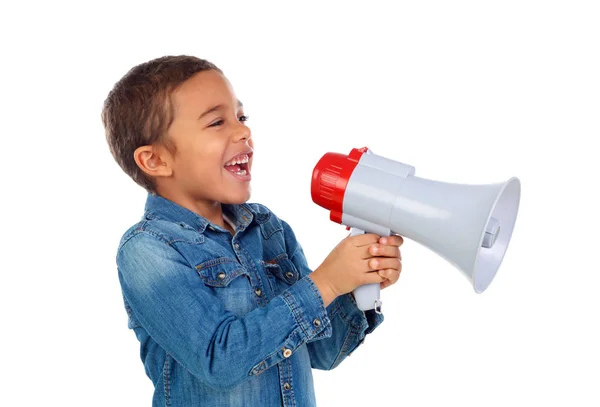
(382, 273)
(383, 240)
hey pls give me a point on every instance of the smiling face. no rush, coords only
(214, 146)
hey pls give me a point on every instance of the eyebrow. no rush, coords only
(218, 107)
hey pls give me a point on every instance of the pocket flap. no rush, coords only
(282, 268)
(220, 272)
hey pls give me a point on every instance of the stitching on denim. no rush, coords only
(250, 271)
(147, 232)
(166, 380)
(322, 310)
(216, 282)
(261, 217)
(199, 241)
(341, 311)
(290, 339)
(152, 215)
(248, 211)
(279, 265)
(344, 349)
(147, 227)
(278, 227)
(249, 214)
(258, 369)
(215, 262)
(245, 257)
(141, 225)
(144, 228)
(297, 312)
(290, 381)
(275, 260)
(210, 277)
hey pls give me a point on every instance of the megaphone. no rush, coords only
(470, 226)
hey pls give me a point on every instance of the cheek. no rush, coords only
(207, 156)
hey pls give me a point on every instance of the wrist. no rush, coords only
(327, 293)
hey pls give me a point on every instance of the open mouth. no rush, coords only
(238, 165)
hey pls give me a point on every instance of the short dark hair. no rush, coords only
(138, 110)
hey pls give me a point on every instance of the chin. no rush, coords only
(238, 199)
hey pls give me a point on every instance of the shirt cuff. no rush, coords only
(373, 320)
(362, 322)
(307, 306)
(308, 310)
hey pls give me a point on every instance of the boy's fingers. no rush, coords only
(364, 239)
(372, 278)
(385, 251)
(380, 263)
(385, 284)
(393, 240)
(392, 275)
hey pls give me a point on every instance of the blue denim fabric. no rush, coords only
(228, 320)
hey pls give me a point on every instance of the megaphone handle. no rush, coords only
(366, 296)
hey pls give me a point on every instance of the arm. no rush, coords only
(349, 324)
(187, 321)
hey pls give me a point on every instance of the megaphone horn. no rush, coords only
(468, 225)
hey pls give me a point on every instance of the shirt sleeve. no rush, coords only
(349, 325)
(179, 312)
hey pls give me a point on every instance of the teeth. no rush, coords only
(242, 172)
(239, 160)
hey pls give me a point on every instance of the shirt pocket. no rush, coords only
(228, 281)
(281, 272)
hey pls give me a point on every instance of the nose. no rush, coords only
(242, 132)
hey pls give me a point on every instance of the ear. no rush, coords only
(153, 161)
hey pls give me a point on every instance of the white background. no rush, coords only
(465, 91)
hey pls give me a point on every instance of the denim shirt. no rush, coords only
(230, 320)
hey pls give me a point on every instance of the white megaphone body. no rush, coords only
(468, 225)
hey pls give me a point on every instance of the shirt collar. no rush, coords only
(162, 208)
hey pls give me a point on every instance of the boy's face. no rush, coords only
(214, 146)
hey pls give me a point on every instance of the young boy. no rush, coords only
(217, 290)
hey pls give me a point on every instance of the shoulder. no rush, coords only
(146, 258)
(141, 240)
(268, 220)
(157, 233)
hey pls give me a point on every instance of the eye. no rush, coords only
(243, 118)
(216, 124)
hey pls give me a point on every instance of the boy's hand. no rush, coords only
(389, 246)
(359, 260)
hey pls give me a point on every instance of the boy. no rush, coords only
(217, 290)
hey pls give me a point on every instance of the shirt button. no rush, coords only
(258, 292)
(221, 276)
(287, 353)
(237, 246)
(289, 274)
(317, 323)
(286, 386)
